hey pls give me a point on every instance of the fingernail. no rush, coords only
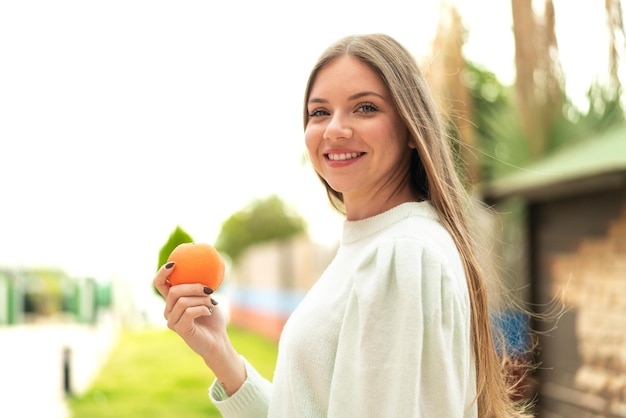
(169, 265)
(208, 290)
(213, 301)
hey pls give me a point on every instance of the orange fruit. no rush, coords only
(196, 263)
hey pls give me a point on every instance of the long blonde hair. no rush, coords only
(433, 175)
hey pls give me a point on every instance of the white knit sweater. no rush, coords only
(385, 332)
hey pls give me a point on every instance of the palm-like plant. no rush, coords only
(502, 127)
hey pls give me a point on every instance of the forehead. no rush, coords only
(347, 72)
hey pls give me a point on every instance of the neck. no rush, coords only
(358, 208)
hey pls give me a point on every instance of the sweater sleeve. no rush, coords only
(405, 347)
(250, 401)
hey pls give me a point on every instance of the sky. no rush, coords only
(120, 120)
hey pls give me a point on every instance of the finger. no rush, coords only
(181, 290)
(182, 321)
(160, 280)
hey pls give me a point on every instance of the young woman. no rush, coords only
(398, 325)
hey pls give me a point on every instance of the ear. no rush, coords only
(409, 139)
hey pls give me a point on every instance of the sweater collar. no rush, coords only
(354, 231)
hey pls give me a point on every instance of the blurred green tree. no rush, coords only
(262, 220)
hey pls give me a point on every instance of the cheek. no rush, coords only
(312, 141)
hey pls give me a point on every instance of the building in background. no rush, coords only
(574, 246)
(35, 295)
(270, 280)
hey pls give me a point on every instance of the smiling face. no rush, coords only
(356, 139)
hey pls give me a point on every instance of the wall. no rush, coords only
(271, 279)
(592, 281)
(578, 253)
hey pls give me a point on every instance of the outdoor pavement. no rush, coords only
(32, 366)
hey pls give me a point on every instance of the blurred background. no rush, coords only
(127, 127)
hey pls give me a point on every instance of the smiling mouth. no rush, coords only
(344, 156)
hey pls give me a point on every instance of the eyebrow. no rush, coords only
(353, 97)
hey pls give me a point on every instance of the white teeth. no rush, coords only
(342, 157)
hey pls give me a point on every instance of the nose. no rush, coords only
(338, 128)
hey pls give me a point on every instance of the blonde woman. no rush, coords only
(398, 324)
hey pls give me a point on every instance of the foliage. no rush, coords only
(262, 220)
(519, 124)
(177, 237)
(152, 373)
(500, 138)
(604, 111)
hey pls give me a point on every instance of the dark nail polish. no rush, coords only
(213, 301)
(208, 290)
(169, 265)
